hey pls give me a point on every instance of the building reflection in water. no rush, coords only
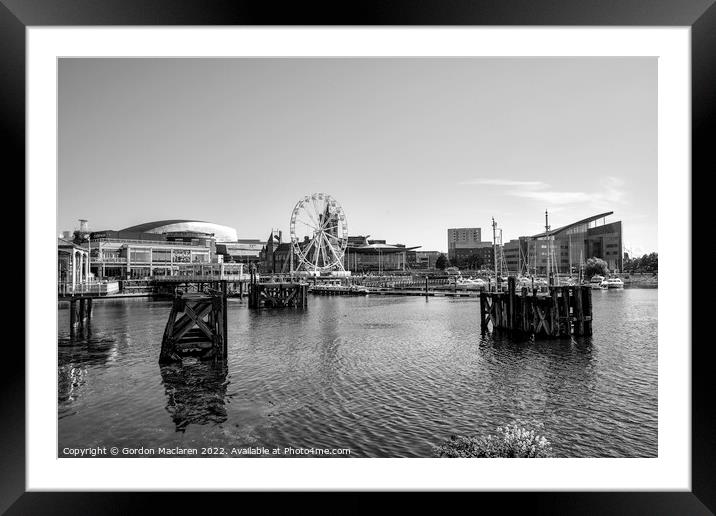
(75, 353)
(196, 392)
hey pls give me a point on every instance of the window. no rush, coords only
(182, 256)
(161, 255)
(140, 255)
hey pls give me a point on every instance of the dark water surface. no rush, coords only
(383, 376)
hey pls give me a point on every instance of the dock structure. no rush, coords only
(276, 294)
(564, 311)
(80, 312)
(197, 326)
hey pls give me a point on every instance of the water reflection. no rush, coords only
(196, 392)
(77, 352)
(387, 377)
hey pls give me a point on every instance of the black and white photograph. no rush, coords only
(407, 250)
(357, 257)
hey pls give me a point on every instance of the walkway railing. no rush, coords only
(87, 287)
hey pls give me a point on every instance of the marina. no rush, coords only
(385, 257)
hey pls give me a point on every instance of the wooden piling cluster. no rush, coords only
(80, 312)
(197, 326)
(277, 294)
(564, 311)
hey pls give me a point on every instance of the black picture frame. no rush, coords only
(700, 15)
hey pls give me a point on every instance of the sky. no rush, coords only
(409, 147)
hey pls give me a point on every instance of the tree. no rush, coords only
(650, 262)
(647, 263)
(475, 262)
(595, 266)
(442, 262)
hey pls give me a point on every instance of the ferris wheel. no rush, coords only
(319, 233)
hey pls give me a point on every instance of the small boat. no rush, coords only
(612, 283)
(470, 283)
(359, 290)
(596, 282)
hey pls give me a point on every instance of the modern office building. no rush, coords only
(562, 248)
(573, 244)
(515, 255)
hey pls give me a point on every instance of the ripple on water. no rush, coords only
(386, 377)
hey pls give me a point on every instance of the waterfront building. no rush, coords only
(361, 255)
(466, 248)
(568, 246)
(120, 254)
(573, 244)
(242, 251)
(73, 267)
(515, 253)
(422, 259)
(168, 247)
(220, 233)
(462, 238)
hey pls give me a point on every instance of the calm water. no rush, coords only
(383, 376)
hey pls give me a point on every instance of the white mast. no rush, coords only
(494, 248)
(549, 246)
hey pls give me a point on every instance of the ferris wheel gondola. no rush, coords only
(319, 233)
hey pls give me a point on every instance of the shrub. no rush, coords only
(514, 440)
(596, 266)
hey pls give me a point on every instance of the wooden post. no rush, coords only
(511, 302)
(579, 315)
(83, 313)
(564, 307)
(586, 295)
(525, 323)
(499, 300)
(555, 312)
(167, 354)
(73, 316)
(225, 318)
(426, 286)
(89, 309)
(483, 311)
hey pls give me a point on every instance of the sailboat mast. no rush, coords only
(549, 247)
(494, 248)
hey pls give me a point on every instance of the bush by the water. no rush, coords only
(514, 440)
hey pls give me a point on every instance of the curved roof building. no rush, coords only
(221, 233)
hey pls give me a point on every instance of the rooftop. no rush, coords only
(573, 224)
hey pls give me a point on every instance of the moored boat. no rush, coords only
(596, 281)
(612, 283)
